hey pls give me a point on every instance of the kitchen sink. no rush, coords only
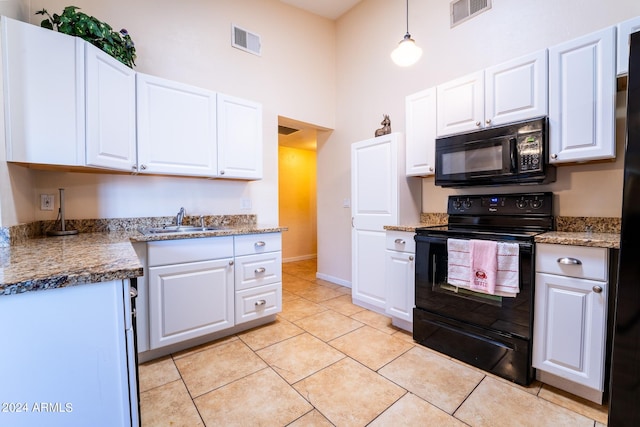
(168, 229)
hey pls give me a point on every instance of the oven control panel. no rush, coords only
(502, 204)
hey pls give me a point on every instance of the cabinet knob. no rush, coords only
(134, 167)
(478, 123)
(410, 257)
(597, 289)
(430, 168)
(133, 292)
(221, 172)
(231, 262)
(260, 303)
(569, 261)
(554, 156)
(399, 242)
(260, 270)
(260, 244)
(143, 167)
(488, 121)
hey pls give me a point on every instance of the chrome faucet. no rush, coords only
(179, 217)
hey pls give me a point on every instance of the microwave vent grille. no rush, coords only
(463, 10)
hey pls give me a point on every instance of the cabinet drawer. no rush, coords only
(258, 302)
(258, 270)
(249, 244)
(189, 250)
(574, 261)
(401, 241)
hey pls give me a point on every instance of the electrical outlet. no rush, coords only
(46, 202)
(245, 204)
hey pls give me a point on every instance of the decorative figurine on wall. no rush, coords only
(386, 126)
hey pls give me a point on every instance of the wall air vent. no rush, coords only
(245, 40)
(463, 10)
(283, 130)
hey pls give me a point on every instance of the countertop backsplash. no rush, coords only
(19, 233)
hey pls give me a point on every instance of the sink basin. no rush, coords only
(181, 229)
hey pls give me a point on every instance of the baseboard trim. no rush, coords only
(299, 258)
(335, 280)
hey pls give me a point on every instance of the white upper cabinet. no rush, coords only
(508, 92)
(460, 104)
(582, 96)
(624, 31)
(44, 95)
(111, 111)
(176, 128)
(420, 113)
(239, 138)
(517, 90)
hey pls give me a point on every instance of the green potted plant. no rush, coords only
(117, 44)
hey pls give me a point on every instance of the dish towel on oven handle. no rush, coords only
(484, 265)
(507, 275)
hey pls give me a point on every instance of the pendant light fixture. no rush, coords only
(407, 53)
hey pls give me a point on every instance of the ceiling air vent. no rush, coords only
(283, 130)
(462, 10)
(245, 40)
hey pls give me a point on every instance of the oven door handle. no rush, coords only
(569, 261)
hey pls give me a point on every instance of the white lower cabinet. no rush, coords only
(200, 288)
(570, 319)
(192, 298)
(400, 278)
(258, 279)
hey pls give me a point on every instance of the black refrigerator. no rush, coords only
(624, 392)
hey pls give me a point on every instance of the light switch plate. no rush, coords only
(46, 202)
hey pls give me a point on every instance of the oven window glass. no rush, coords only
(476, 160)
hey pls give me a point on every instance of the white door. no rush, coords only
(190, 300)
(111, 111)
(400, 278)
(421, 133)
(374, 204)
(570, 328)
(44, 95)
(582, 98)
(516, 90)
(176, 128)
(461, 104)
(239, 138)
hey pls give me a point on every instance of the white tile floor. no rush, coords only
(326, 361)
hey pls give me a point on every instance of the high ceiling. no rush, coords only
(331, 9)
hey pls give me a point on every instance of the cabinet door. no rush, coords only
(44, 95)
(374, 196)
(461, 104)
(190, 300)
(516, 90)
(625, 29)
(111, 111)
(569, 330)
(239, 138)
(421, 133)
(400, 280)
(176, 128)
(582, 94)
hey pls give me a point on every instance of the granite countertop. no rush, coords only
(599, 240)
(55, 262)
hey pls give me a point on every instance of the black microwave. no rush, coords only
(516, 153)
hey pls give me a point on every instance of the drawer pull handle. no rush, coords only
(260, 270)
(569, 261)
(400, 242)
(260, 244)
(597, 289)
(260, 302)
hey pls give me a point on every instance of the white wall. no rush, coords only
(190, 41)
(370, 85)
